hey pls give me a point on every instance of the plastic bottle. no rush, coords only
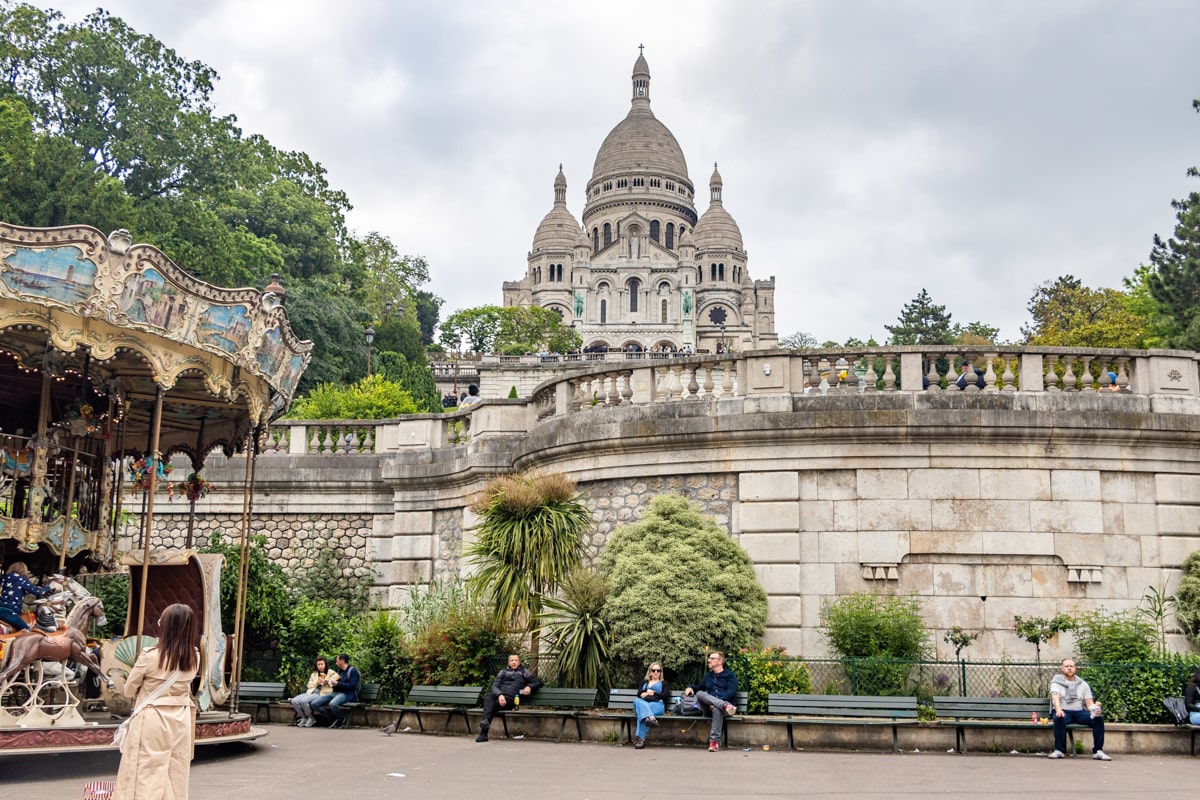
(516, 702)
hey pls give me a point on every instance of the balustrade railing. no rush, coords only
(659, 378)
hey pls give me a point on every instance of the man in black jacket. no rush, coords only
(509, 683)
(716, 694)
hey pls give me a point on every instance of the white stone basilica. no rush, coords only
(644, 271)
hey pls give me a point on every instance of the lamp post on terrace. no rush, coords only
(457, 358)
(370, 338)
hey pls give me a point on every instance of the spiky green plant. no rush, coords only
(530, 540)
(575, 631)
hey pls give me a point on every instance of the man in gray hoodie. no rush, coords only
(1074, 705)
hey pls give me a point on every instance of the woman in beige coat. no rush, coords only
(158, 747)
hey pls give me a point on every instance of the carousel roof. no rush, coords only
(103, 322)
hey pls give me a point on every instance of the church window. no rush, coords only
(670, 242)
(699, 275)
(639, 181)
(664, 312)
(635, 287)
(622, 183)
(608, 186)
(595, 240)
(655, 183)
(607, 234)
(603, 311)
(720, 272)
(654, 230)
(712, 272)
(670, 186)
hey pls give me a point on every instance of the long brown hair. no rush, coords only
(177, 638)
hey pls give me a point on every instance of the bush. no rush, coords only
(1133, 692)
(1102, 637)
(268, 600)
(576, 632)
(375, 397)
(769, 670)
(887, 631)
(455, 651)
(680, 586)
(113, 591)
(1187, 597)
(373, 647)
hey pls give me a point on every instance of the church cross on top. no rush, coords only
(641, 47)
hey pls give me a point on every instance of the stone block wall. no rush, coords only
(978, 544)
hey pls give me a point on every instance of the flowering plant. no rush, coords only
(193, 488)
(139, 472)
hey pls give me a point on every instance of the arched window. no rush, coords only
(654, 230)
(595, 240)
(699, 275)
(720, 272)
(670, 236)
(603, 311)
(712, 270)
(635, 287)
(664, 312)
(607, 234)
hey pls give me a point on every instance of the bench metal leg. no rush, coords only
(895, 739)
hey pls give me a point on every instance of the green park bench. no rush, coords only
(841, 709)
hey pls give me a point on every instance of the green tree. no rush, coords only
(1175, 282)
(474, 328)
(268, 599)
(921, 322)
(800, 340)
(975, 333)
(680, 585)
(529, 541)
(534, 329)
(1039, 630)
(416, 379)
(1068, 314)
(429, 307)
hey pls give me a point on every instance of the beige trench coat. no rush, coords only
(158, 747)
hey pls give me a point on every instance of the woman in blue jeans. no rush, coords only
(1191, 696)
(650, 702)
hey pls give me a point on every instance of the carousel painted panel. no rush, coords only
(60, 273)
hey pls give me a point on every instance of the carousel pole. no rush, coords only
(239, 625)
(195, 471)
(62, 550)
(148, 517)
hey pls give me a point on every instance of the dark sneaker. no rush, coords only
(640, 744)
(481, 737)
(714, 746)
(652, 720)
(337, 724)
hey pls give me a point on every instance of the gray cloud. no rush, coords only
(869, 149)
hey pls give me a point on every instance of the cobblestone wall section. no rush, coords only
(448, 533)
(293, 540)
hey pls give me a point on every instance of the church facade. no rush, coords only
(644, 271)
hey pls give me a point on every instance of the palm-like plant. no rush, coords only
(530, 540)
(576, 631)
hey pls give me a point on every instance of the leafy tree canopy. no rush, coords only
(1175, 282)
(375, 397)
(800, 340)
(680, 586)
(1068, 314)
(515, 329)
(921, 322)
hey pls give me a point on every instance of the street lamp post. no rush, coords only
(457, 358)
(370, 338)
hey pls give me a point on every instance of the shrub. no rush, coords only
(1102, 637)
(455, 651)
(375, 397)
(769, 670)
(576, 632)
(373, 647)
(268, 600)
(1187, 597)
(1039, 630)
(887, 631)
(1133, 692)
(113, 591)
(680, 586)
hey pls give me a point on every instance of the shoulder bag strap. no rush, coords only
(157, 693)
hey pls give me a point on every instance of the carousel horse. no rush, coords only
(66, 592)
(66, 645)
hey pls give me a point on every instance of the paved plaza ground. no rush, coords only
(358, 763)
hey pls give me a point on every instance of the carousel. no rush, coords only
(113, 360)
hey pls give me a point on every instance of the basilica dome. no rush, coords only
(716, 228)
(640, 142)
(559, 229)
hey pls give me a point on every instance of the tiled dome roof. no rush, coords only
(559, 228)
(716, 228)
(640, 141)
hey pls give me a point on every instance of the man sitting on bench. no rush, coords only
(509, 683)
(717, 693)
(1070, 696)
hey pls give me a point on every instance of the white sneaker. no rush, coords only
(310, 721)
(1100, 755)
(1058, 754)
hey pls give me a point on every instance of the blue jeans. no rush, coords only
(1079, 717)
(1194, 717)
(645, 709)
(13, 618)
(334, 701)
(303, 703)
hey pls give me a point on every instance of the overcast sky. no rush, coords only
(868, 149)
